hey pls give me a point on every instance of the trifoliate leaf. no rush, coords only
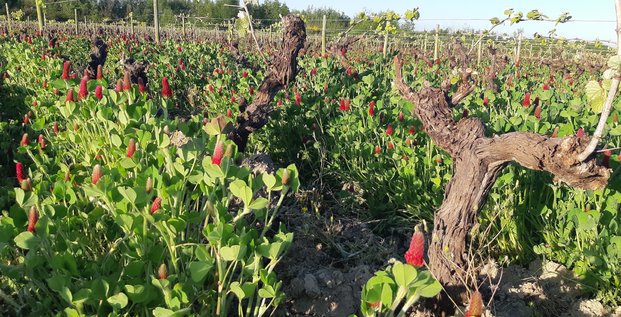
(614, 62)
(596, 95)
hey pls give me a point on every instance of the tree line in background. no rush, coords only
(209, 12)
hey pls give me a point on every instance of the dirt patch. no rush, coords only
(333, 256)
(542, 289)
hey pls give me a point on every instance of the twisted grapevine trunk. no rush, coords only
(282, 69)
(477, 161)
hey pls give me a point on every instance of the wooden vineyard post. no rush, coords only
(183, 25)
(440, 47)
(131, 22)
(156, 22)
(75, 13)
(8, 17)
(436, 43)
(425, 43)
(479, 48)
(39, 15)
(385, 48)
(229, 32)
(323, 35)
(518, 49)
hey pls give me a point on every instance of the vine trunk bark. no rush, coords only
(477, 162)
(282, 69)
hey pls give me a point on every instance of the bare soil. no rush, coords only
(333, 256)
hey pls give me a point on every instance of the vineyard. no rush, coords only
(367, 175)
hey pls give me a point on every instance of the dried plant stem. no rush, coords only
(614, 86)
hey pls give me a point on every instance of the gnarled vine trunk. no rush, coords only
(99, 53)
(282, 69)
(477, 161)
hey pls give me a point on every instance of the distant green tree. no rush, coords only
(13, 4)
(142, 10)
(268, 12)
(171, 9)
(28, 6)
(224, 9)
(335, 21)
(212, 11)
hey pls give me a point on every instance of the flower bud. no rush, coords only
(131, 148)
(162, 272)
(26, 185)
(157, 204)
(149, 185)
(41, 141)
(97, 174)
(285, 177)
(33, 217)
(24, 141)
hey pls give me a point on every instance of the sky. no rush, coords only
(594, 19)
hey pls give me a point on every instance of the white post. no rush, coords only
(435, 45)
(156, 22)
(479, 48)
(385, 49)
(519, 48)
(323, 35)
(8, 17)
